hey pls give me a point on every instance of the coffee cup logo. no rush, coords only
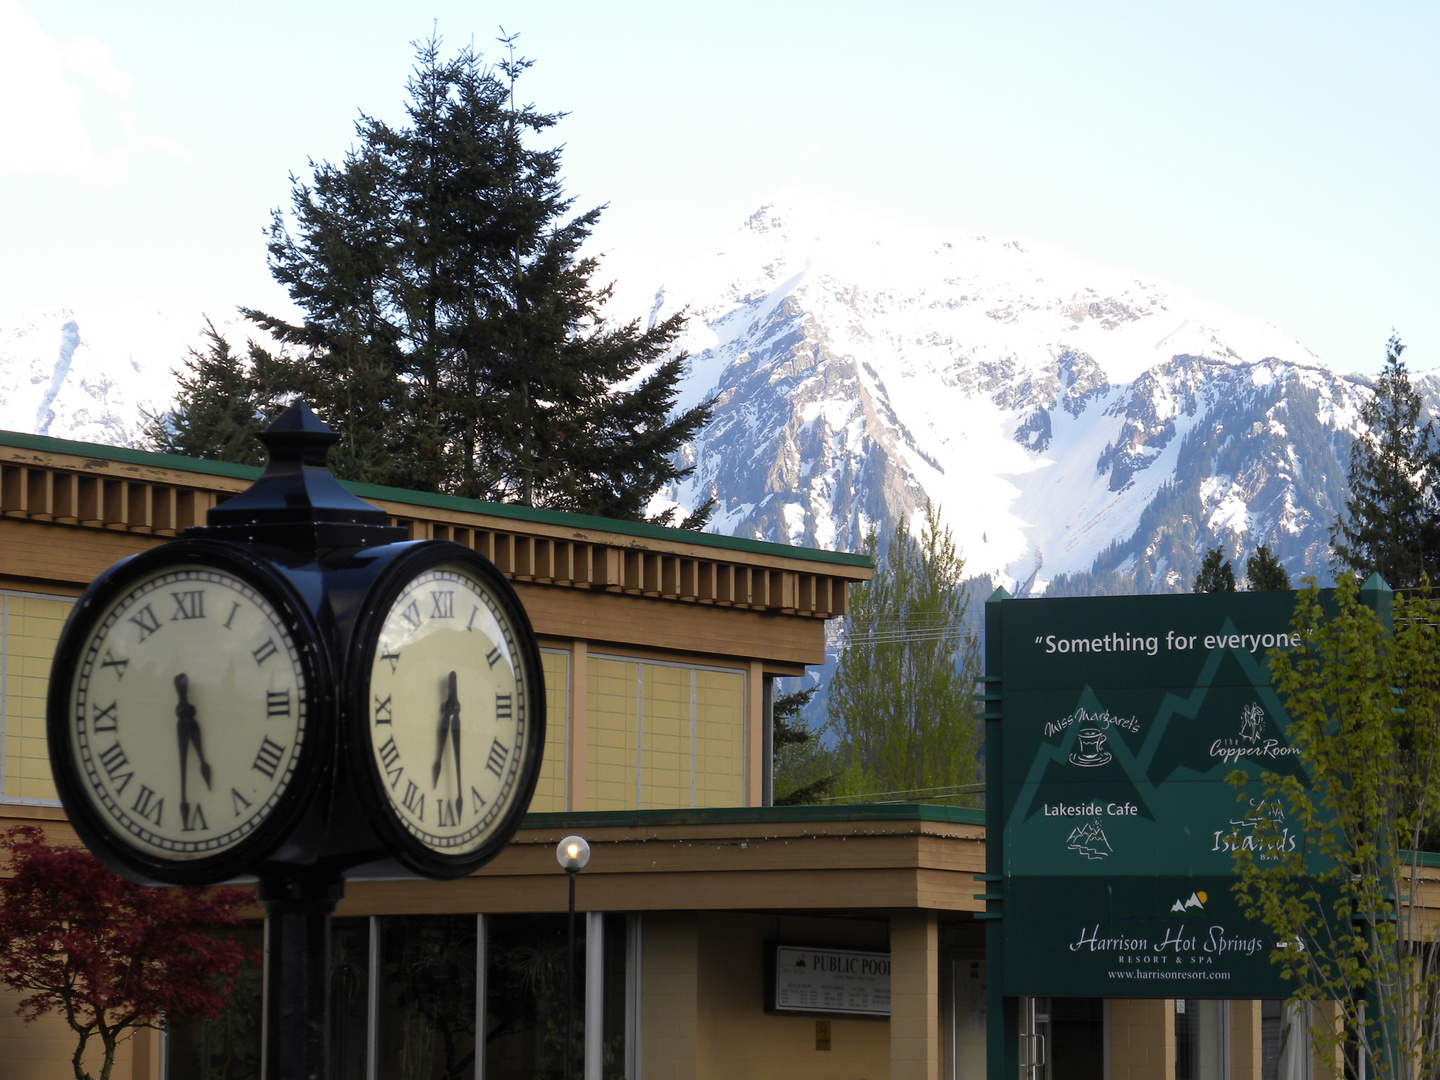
(1092, 748)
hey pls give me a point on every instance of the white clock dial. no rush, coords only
(450, 717)
(187, 712)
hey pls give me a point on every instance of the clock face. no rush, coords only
(187, 712)
(454, 720)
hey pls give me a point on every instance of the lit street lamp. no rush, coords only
(572, 854)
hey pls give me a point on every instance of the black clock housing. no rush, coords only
(191, 716)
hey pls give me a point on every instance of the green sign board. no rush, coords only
(1121, 718)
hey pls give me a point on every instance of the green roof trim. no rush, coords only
(44, 443)
(755, 815)
(637, 529)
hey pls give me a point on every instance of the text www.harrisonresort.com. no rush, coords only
(1152, 974)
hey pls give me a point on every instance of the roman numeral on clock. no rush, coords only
(119, 666)
(147, 622)
(267, 758)
(414, 799)
(495, 763)
(192, 817)
(264, 652)
(106, 719)
(448, 812)
(504, 708)
(411, 615)
(382, 709)
(116, 767)
(147, 806)
(277, 703)
(444, 604)
(189, 605)
(389, 761)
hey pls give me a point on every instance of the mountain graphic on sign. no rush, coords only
(1089, 840)
(1195, 901)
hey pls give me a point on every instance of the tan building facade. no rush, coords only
(659, 650)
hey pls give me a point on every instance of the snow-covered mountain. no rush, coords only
(92, 375)
(1069, 419)
(1073, 422)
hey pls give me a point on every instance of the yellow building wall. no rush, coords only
(736, 1037)
(550, 788)
(669, 997)
(1142, 1040)
(29, 627)
(43, 1050)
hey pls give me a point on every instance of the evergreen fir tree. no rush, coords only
(804, 769)
(220, 406)
(1216, 574)
(1263, 572)
(452, 334)
(1391, 523)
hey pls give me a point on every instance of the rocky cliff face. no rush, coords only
(1078, 426)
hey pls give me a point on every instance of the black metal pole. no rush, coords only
(296, 1035)
(570, 984)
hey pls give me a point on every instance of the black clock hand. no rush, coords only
(188, 729)
(448, 709)
(455, 741)
(184, 717)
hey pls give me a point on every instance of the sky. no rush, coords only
(1279, 159)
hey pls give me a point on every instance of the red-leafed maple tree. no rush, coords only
(107, 954)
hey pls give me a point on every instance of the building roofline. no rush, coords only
(745, 815)
(636, 529)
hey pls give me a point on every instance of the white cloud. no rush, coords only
(64, 106)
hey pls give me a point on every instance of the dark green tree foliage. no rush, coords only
(901, 701)
(451, 332)
(1215, 573)
(220, 406)
(1391, 523)
(805, 770)
(1264, 573)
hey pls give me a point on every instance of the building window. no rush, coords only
(425, 1027)
(1284, 1040)
(1201, 1043)
(30, 626)
(664, 736)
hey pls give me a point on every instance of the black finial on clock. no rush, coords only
(297, 503)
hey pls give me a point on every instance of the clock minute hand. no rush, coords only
(448, 710)
(188, 730)
(455, 742)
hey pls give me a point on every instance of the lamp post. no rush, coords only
(572, 854)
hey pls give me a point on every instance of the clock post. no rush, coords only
(262, 699)
(300, 518)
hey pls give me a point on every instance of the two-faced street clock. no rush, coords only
(190, 714)
(446, 709)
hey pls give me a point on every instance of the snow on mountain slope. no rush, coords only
(91, 375)
(1045, 403)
